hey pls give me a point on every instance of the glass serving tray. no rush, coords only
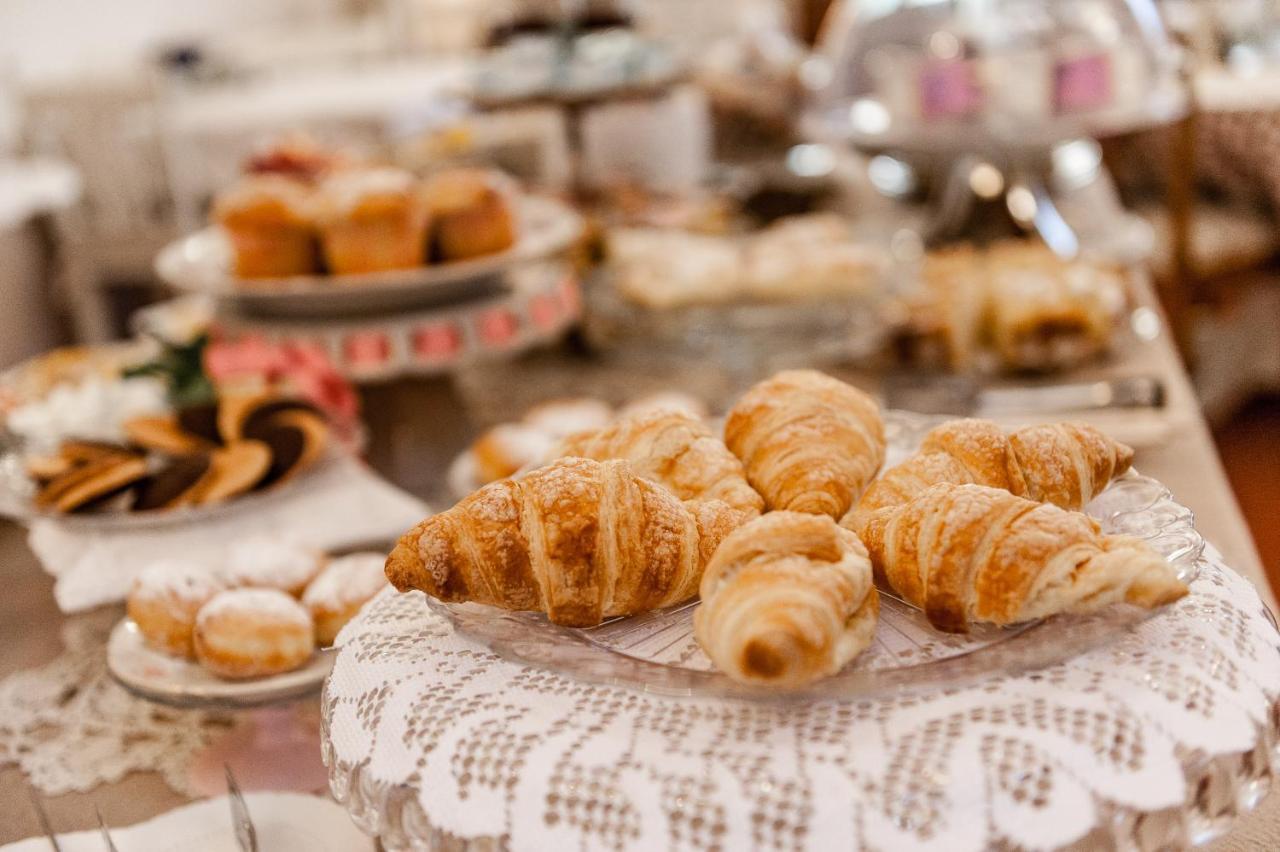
(656, 652)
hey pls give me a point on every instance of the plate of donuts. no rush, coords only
(256, 629)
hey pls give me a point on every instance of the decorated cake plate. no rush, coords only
(201, 263)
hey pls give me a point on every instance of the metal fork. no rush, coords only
(43, 816)
(246, 834)
(106, 835)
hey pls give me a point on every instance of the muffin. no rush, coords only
(471, 214)
(267, 219)
(371, 220)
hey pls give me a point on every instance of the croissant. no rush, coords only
(786, 600)
(673, 449)
(1066, 464)
(810, 443)
(580, 540)
(966, 553)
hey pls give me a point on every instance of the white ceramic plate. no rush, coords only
(183, 683)
(201, 263)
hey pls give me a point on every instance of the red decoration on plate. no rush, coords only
(545, 310)
(367, 348)
(497, 326)
(437, 340)
(570, 297)
(949, 89)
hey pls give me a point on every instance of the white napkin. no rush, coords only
(340, 505)
(284, 822)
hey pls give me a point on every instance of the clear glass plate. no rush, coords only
(656, 652)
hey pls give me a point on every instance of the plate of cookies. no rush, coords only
(816, 546)
(362, 238)
(255, 629)
(161, 464)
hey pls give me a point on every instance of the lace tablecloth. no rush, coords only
(1160, 738)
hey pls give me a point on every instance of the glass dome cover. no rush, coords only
(984, 75)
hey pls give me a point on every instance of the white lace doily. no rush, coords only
(70, 727)
(1158, 739)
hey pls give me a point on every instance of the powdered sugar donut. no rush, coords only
(561, 418)
(269, 563)
(164, 601)
(244, 633)
(341, 590)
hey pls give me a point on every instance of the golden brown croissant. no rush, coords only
(1066, 464)
(673, 449)
(810, 443)
(966, 553)
(578, 539)
(786, 600)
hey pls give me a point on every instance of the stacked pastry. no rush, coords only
(195, 456)
(1016, 302)
(315, 215)
(263, 612)
(781, 527)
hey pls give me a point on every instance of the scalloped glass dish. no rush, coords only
(656, 652)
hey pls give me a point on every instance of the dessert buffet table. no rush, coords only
(34, 633)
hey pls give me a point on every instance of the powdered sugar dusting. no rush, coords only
(179, 580)
(255, 603)
(270, 562)
(347, 580)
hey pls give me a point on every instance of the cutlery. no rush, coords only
(43, 816)
(106, 835)
(963, 395)
(246, 835)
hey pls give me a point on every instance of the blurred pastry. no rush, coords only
(268, 221)
(233, 470)
(297, 439)
(268, 563)
(671, 400)
(92, 482)
(471, 213)
(244, 633)
(172, 484)
(164, 601)
(561, 418)
(164, 434)
(371, 220)
(507, 447)
(661, 269)
(345, 585)
(298, 157)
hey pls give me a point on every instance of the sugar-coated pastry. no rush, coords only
(969, 553)
(471, 213)
(578, 539)
(787, 599)
(371, 220)
(561, 418)
(343, 587)
(164, 601)
(268, 220)
(672, 400)
(1066, 464)
(244, 633)
(506, 448)
(809, 442)
(270, 563)
(674, 450)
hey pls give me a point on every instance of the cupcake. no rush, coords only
(271, 233)
(471, 214)
(371, 220)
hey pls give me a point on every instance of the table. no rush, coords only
(413, 450)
